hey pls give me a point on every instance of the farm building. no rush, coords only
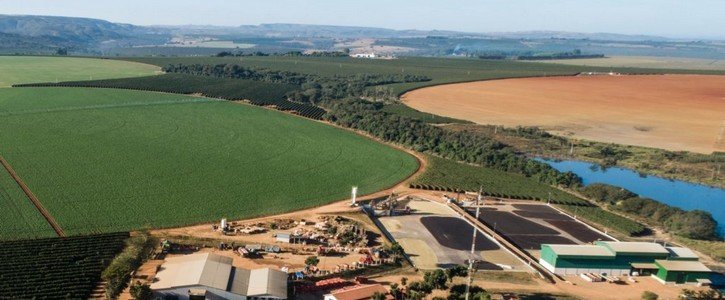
(357, 292)
(682, 271)
(289, 238)
(212, 276)
(669, 264)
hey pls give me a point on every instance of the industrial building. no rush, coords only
(212, 276)
(666, 264)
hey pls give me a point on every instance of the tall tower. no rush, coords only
(354, 195)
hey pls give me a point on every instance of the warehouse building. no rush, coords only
(667, 264)
(212, 276)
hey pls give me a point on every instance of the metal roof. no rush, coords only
(358, 292)
(682, 265)
(682, 252)
(581, 250)
(215, 271)
(647, 266)
(267, 282)
(635, 247)
(206, 269)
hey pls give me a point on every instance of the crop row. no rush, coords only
(492, 194)
(55, 268)
(609, 219)
(448, 175)
(255, 92)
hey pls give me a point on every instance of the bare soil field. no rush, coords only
(673, 112)
(646, 62)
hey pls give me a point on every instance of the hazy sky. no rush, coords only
(672, 18)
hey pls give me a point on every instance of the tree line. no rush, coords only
(422, 137)
(314, 88)
(694, 224)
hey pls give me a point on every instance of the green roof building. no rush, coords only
(682, 271)
(669, 265)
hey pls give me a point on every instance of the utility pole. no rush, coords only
(472, 260)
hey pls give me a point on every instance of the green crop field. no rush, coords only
(28, 69)
(104, 160)
(19, 217)
(447, 173)
(440, 70)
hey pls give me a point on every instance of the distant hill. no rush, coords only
(46, 34)
(31, 32)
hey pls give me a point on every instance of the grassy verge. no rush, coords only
(508, 277)
(715, 249)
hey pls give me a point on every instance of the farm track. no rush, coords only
(48, 217)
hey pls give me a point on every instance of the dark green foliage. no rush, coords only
(119, 271)
(694, 224)
(407, 111)
(456, 271)
(458, 292)
(312, 261)
(56, 268)
(436, 279)
(421, 287)
(606, 193)
(141, 291)
(257, 92)
(647, 295)
(315, 88)
(460, 146)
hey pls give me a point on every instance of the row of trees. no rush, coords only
(314, 88)
(695, 224)
(460, 146)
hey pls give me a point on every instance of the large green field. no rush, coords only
(440, 70)
(103, 160)
(30, 69)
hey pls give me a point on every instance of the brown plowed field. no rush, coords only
(674, 112)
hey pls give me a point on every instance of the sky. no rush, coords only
(669, 18)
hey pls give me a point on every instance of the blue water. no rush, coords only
(685, 195)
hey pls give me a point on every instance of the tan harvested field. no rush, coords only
(673, 112)
(646, 62)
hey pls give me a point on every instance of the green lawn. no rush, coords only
(103, 160)
(31, 69)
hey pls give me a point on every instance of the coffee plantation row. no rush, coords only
(56, 268)
(255, 92)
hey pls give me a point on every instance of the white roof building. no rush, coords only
(213, 277)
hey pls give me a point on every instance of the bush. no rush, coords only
(606, 193)
(647, 295)
(436, 279)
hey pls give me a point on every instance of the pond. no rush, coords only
(685, 195)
